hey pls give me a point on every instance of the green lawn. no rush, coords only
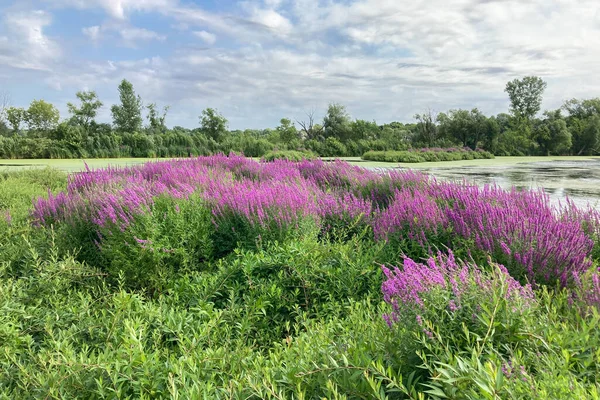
(78, 165)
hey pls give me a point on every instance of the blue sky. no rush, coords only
(259, 61)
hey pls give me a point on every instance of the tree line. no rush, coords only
(139, 130)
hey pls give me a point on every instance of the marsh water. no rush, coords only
(578, 180)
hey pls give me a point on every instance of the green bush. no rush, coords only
(290, 155)
(425, 155)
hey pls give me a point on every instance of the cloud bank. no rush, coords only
(260, 61)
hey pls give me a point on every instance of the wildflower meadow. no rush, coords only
(224, 277)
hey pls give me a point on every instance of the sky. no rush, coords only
(259, 61)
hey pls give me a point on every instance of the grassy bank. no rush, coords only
(226, 278)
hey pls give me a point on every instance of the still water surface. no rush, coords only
(578, 180)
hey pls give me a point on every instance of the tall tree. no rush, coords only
(426, 129)
(287, 131)
(361, 129)
(525, 96)
(85, 113)
(15, 116)
(213, 124)
(156, 121)
(583, 122)
(41, 116)
(127, 117)
(336, 122)
(465, 127)
(552, 134)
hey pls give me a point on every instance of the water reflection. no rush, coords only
(577, 180)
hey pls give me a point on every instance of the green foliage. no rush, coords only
(127, 117)
(584, 124)
(426, 155)
(84, 114)
(426, 130)
(213, 124)
(248, 145)
(41, 116)
(15, 116)
(525, 96)
(290, 155)
(287, 131)
(338, 136)
(174, 236)
(552, 134)
(336, 123)
(299, 317)
(515, 143)
(468, 128)
(330, 147)
(156, 122)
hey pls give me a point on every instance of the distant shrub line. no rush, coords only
(427, 155)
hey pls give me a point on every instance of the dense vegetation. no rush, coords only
(427, 155)
(222, 277)
(37, 132)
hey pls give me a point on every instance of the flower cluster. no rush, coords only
(415, 285)
(521, 229)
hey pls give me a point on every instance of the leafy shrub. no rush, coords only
(298, 312)
(423, 155)
(290, 155)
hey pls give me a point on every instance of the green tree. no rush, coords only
(525, 96)
(156, 121)
(583, 122)
(396, 136)
(426, 130)
(582, 109)
(41, 116)
(465, 127)
(364, 130)
(15, 116)
(552, 134)
(127, 117)
(336, 122)
(85, 113)
(287, 131)
(213, 124)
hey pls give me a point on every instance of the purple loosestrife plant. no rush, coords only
(534, 240)
(451, 304)
(520, 229)
(412, 222)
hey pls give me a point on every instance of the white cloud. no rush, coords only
(129, 36)
(384, 59)
(272, 20)
(93, 32)
(132, 35)
(207, 37)
(26, 45)
(116, 8)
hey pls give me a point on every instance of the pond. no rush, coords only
(579, 180)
